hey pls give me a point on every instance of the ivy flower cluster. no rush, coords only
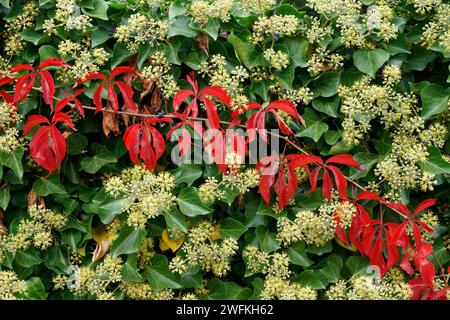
(274, 26)
(93, 281)
(205, 10)
(322, 60)
(87, 60)
(9, 136)
(143, 291)
(35, 231)
(13, 42)
(10, 285)
(355, 26)
(68, 15)
(148, 194)
(364, 287)
(437, 31)
(276, 283)
(313, 228)
(205, 248)
(159, 71)
(141, 29)
(238, 178)
(220, 73)
(277, 58)
(256, 6)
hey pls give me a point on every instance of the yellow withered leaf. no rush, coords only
(342, 244)
(216, 234)
(99, 234)
(166, 243)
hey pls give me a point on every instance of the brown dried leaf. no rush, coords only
(3, 229)
(203, 42)
(110, 123)
(33, 198)
(100, 250)
(66, 134)
(148, 86)
(156, 102)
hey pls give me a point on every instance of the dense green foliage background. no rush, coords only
(369, 77)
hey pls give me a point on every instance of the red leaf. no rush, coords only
(147, 154)
(158, 142)
(23, 88)
(406, 265)
(112, 97)
(97, 97)
(217, 92)
(22, 67)
(180, 96)
(131, 139)
(6, 80)
(89, 77)
(7, 97)
(265, 184)
(48, 148)
(346, 159)
(52, 62)
(368, 195)
(211, 110)
(313, 179)
(281, 189)
(424, 205)
(120, 70)
(33, 121)
(303, 160)
(339, 179)
(286, 106)
(282, 125)
(48, 87)
(63, 117)
(267, 168)
(127, 94)
(57, 144)
(398, 206)
(327, 185)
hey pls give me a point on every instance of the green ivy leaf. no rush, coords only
(309, 278)
(109, 209)
(226, 290)
(27, 258)
(5, 197)
(242, 49)
(76, 143)
(266, 239)
(187, 173)
(297, 254)
(35, 289)
(357, 264)
(99, 11)
(231, 228)
(369, 61)
(128, 241)
(175, 220)
(93, 164)
(190, 204)
(159, 276)
(326, 84)
(13, 161)
(434, 100)
(120, 54)
(328, 106)
(51, 185)
(435, 163)
(179, 26)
